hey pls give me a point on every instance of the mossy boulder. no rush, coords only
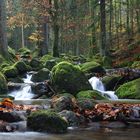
(130, 90)
(24, 52)
(112, 81)
(92, 67)
(45, 58)
(50, 64)
(46, 121)
(69, 78)
(10, 71)
(21, 67)
(41, 75)
(3, 84)
(90, 94)
(36, 64)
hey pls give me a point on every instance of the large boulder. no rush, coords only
(10, 71)
(90, 94)
(41, 75)
(21, 67)
(69, 78)
(3, 84)
(130, 90)
(46, 121)
(92, 67)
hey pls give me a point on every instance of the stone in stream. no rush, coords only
(72, 118)
(62, 103)
(46, 121)
(13, 116)
(41, 75)
(69, 78)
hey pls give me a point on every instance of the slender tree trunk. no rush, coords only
(22, 35)
(110, 23)
(3, 37)
(128, 18)
(55, 29)
(103, 49)
(56, 41)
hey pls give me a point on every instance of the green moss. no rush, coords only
(10, 71)
(1, 59)
(41, 75)
(12, 54)
(130, 90)
(24, 51)
(50, 64)
(110, 82)
(92, 67)
(36, 64)
(45, 58)
(90, 94)
(136, 64)
(46, 121)
(21, 67)
(3, 84)
(69, 78)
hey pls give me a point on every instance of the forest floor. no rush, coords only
(127, 52)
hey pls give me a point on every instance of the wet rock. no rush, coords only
(14, 116)
(72, 118)
(41, 75)
(40, 89)
(92, 67)
(50, 64)
(6, 127)
(19, 126)
(69, 78)
(129, 90)
(86, 103)
(46, 121)
(21, 67)
(90, 94)
(112, 81)
(62, 103)
(36, 64)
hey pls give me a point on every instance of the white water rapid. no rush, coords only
(25, 91)
(97, 84)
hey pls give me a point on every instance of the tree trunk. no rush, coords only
(56, 41)
(103, 28)
(3, 37)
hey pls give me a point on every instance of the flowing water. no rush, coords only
(25, 91)
(131, 133)
(97, 84)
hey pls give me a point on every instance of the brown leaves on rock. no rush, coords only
(7, 105)
(109, 112)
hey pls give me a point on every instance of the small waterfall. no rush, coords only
(25, 91)
(97, 84)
